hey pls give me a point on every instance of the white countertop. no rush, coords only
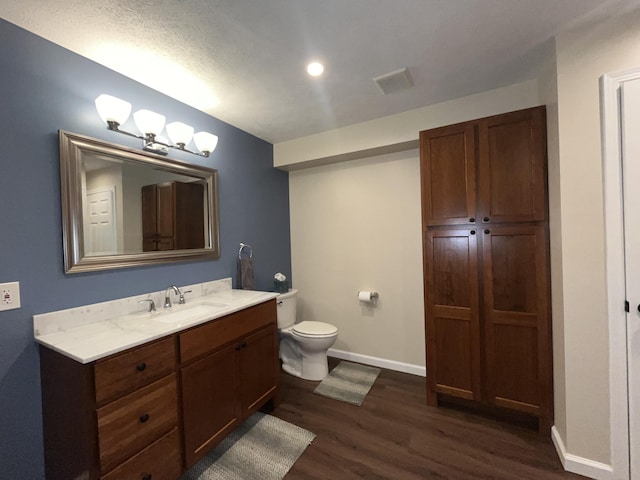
(86, 342)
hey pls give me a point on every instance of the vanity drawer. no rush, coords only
(203, 339)
(130, 370)
(160, 461)
(131, 423)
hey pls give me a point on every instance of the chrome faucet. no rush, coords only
(167, 295)
(152, 306)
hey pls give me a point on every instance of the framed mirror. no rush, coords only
(123, 207)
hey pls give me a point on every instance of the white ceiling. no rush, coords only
(243, 61)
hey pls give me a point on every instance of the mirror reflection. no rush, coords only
(124, 207)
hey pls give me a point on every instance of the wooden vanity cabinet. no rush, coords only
(229, 369)
(486, 264)
(150, 412)
(116, 418)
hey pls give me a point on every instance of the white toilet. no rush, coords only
(304, 345)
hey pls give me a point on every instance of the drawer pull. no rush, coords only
(144, 417)
(141, 367)
(147, 476)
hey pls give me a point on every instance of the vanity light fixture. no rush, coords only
(115, 112)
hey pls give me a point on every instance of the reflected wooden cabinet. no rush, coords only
(486, 264)
(173, 216)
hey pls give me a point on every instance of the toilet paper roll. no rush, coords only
(366, 296)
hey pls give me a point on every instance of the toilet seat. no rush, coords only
(314, 329)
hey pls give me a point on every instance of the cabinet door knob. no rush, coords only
(141, 367)
(472, 232)
(147, 476)
(472, 220)
(485, 219)
(144, 417)
(487, 231)
(238, 347)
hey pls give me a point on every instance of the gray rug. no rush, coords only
(262, 448)
(348, 382)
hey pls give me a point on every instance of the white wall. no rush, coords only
(356, 225)
(400, 129)
(582, 57)
(548, 86)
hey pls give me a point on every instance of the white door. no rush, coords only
(630, 123)
(100, 225)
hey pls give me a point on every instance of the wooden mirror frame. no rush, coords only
(72, 148)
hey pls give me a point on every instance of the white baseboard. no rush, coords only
(580, 465)
(379, 362)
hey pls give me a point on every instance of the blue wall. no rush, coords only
(43, 88)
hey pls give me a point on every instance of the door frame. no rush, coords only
(615, 267)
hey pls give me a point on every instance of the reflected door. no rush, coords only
(100, 226)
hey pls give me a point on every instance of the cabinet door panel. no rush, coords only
(448, 174)
(512, 171)
(259, 368)
(149, 218)
(189, 215)
(452, 321)
(209, 405)
(517, 346)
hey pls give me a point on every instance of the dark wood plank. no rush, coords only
(395, 435)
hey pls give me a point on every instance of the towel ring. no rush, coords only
(243, 246)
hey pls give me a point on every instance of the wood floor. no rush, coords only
(394, 435)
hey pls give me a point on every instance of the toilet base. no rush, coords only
(305, 357)
(315, 369)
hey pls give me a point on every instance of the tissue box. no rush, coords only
(281, 286)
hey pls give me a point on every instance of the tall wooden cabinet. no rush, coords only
(486, 263)
(172, 216)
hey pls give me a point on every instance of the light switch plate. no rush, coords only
(9, 295)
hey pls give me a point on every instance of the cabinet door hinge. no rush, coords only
(626, 306)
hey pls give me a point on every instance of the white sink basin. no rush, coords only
(185, 313)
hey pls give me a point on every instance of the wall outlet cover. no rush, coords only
(9, 296)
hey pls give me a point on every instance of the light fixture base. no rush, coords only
(154, 147)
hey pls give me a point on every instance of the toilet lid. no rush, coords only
(314, 328)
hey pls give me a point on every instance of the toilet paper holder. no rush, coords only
(367, 296)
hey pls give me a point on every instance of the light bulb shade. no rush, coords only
(113, 109)
(179, 133)
(149, 122)
(205, 141)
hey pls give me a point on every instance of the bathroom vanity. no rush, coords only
(153, 405)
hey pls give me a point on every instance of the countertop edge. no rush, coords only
(147, 338)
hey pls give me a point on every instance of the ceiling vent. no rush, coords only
(394, 81)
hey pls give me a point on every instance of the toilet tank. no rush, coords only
(287, 308)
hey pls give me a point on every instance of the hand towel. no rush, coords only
(245, 280)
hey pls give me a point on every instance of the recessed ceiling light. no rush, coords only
(314, 69)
